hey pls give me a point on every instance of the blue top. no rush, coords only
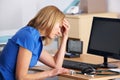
(27, 37)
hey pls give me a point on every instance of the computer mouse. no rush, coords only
(88, 70)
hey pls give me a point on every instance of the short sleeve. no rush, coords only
(25, 40)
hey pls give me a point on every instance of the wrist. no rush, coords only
(65, 37)
(49, 74)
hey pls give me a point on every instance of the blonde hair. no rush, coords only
(46, 19)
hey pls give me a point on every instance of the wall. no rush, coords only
(16, 13)
(113, 6)
(10, 14)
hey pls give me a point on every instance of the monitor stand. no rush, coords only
(72, 55)
(106, 64)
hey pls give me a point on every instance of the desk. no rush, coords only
(90, 59)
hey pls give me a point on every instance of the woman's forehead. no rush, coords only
(60, 23)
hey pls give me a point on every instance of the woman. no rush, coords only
(25, 48)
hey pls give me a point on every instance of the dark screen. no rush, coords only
(105, 37)
(74, 45)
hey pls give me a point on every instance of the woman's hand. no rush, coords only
(65, 28)
(55, 72)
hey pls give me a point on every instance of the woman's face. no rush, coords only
(56, 31)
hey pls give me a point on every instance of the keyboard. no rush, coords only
(78, 65)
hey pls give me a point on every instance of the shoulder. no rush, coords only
(27, 37)
(27, 32)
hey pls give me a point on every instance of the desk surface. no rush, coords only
(89, 59)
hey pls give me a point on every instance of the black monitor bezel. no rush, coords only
(98, 52)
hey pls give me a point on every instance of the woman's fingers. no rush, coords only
(66, 23)
(66, 27)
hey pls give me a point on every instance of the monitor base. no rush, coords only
(72, 55)
(108, 66)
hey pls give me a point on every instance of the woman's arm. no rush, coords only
(47, 59)
(57, 60)
(59, 56)
(22, 67)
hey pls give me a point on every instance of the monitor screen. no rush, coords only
(105, 38)
(74, 45)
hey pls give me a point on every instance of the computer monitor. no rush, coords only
(105, 39)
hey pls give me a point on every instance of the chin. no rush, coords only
(51, 37)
